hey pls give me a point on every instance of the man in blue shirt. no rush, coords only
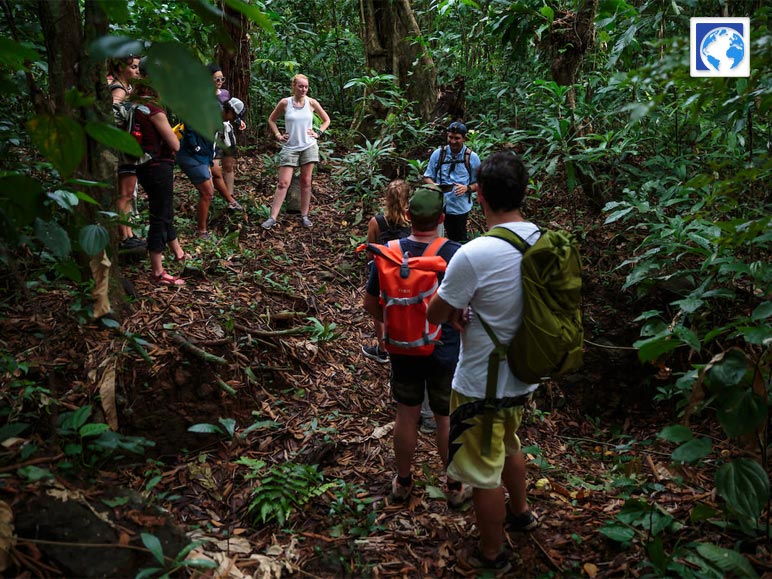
(454, 168)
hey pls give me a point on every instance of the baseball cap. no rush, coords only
(426, 203)
(457, 127)
(237, 106)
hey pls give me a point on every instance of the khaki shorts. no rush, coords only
(299, 158)
(465, 461)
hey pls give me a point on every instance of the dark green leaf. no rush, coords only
(762, 312)
(185, 86)
(115, 46)
(730, 562)
(676, 433)
(93, 429)
(51, 234)
(114, 138)
(70, 270)
(13, 54)
(744, 485)
(693, 450)
(93, 239)
(617, 532)
(20, 199)
(740, 411)
(205, 428)
(65, 199)
(34, 473)
(728, 371)
(60, 140)
(154, 546)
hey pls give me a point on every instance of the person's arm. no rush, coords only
(161, 123)
(440, 311)
(373, 231)
(430, 175)
(275, 114)
(119, 94)
(372, 305)
(317, 108)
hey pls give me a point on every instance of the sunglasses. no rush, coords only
(219, 79)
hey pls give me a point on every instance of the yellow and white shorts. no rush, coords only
(465, 460)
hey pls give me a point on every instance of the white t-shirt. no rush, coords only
(485, 274)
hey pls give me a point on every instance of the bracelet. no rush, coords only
(321, 134)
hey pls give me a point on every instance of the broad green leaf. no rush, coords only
(702, 512)
(60, 140)
(65, 199)
(34, 473)
(762, 312)
(730, 562)
(652, 348)
(51, 234)
(740, 411)
(744, 485)
(153, 545)
(20, 199)
(229, 424)
(617, 532)
(113, 137)
(77, 418)
(94, 239)
(70, 270)
(676, 433)
(434, 492)
(548, 13)
(13, 55)
(93, 429)
(692, 450)
(115, 46)
(689, 305)
(757, 335)
(251, 12)
(185, 86)
(728, 370)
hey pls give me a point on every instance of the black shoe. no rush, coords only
(132, 242)
(497, 566)
(522, 523)
(375, 353)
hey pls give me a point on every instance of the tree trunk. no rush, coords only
(388, 27)
(236, 64)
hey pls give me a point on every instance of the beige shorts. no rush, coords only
(299, 158)
(466, 462)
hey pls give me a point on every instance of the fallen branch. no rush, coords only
(224, 385)
(271, 333)
(193, 349)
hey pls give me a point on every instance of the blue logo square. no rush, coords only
(720, 47)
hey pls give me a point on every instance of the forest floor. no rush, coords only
(268, 332)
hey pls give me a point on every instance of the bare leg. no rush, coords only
(126, 186)
(156, 265)
(176, 248)
(306, 174)
(405, 437)
(513, 477)
(285, 178)
(490, 513)
(229, 174)
(206, 193)
(219, 182)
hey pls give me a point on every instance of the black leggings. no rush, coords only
(157, 179)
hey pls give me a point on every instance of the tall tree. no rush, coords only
(390, 38)
(235, 59)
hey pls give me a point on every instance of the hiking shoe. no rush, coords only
(375, 353)
(497, 566)
(306, 221)
(428, 425)
(268, 223)
(400, 493)
(132, 242)
(457, 497)
(235, 206)
(204, 235)
(522, 523)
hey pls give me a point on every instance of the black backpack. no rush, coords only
(467, 164)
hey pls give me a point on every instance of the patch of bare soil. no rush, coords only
(268, 332)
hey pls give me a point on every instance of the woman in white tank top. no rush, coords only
(299, 146)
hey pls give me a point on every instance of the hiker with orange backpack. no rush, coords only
(423, 356)
(484, 282)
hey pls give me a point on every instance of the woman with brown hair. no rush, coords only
(123, 71)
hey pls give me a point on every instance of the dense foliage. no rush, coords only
(680, 164)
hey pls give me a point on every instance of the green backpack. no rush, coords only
(550, 339)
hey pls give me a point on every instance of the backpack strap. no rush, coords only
(435, 246)
(510, 236)
(383, 225)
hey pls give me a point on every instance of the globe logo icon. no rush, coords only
(722, 49)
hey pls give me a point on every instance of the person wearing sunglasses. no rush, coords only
(224, 167)
(454, 167)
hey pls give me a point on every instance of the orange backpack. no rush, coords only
(407, 284)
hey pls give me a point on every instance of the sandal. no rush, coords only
(165, 279)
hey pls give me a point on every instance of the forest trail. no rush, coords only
(267, 332)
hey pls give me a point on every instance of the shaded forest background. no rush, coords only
(663, 178)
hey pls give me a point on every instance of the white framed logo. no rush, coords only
(720, 47)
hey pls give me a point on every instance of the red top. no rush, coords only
(152, 141)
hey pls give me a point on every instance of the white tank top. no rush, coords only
(297, 121)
